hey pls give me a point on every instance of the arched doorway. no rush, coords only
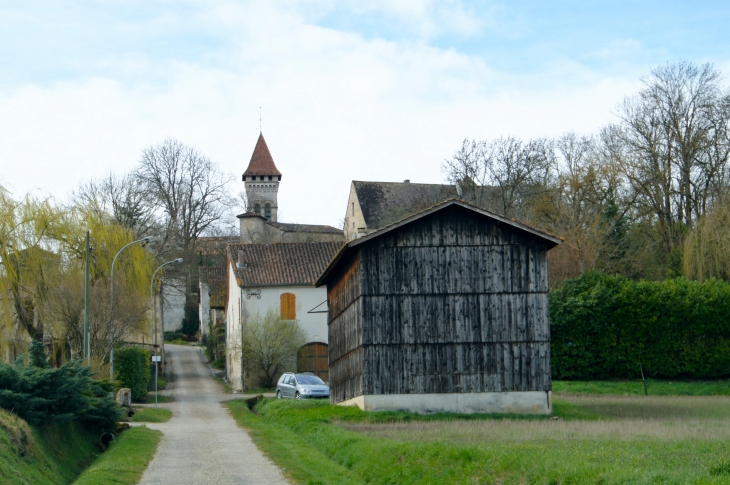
(313, 358)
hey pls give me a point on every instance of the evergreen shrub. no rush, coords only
(132, 370)
(42, 395)
(611, 327)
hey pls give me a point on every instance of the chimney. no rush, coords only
(407, 181)
(240, 263)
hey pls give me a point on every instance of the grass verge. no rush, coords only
(42, 455)
(654, 387)
(151, 415)
(160, 398)
(261, 390)
(321, 444)
(126, 459)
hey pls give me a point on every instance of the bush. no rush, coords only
(42, 395)
(606, 327)
(133, 370)
(170, 336)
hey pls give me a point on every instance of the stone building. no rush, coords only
(260, 224)
(212, 287)
(374, 205)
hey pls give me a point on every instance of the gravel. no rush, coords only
(202, 444)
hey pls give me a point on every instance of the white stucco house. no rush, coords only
(278, 277)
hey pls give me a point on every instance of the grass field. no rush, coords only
(151, 415)
(654, 387)
(597, 439)
(125, 460)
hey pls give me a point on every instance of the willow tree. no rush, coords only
(42, 249)
(110, 321)
(29, 264)
(707, 247)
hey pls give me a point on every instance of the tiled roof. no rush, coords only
(383, 203)
(282, 264)
(305, 228)
(262, 163)
(212, 250)
(215, 278)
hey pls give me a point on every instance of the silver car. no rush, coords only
(301, 386)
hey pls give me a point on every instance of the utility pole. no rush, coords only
(87, 335)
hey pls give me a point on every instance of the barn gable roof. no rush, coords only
(550, 240)
(280, 264)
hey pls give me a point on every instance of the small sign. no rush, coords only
(156, 358)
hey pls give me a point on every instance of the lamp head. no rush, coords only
(147, 239)
(178, 260)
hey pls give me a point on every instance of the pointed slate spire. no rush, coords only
(261, 162)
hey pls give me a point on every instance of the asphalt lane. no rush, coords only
(202, 444)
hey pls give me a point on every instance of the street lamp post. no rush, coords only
(144, 240)
(154, 318)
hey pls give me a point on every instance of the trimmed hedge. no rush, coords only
(606, 327)
(132, 366)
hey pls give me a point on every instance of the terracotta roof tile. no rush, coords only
(282, 264)
(262, 163)
(215, 278)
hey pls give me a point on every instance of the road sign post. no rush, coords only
(156, 360)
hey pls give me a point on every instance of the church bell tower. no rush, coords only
(261, 180)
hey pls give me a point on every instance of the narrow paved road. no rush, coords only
(202, 443)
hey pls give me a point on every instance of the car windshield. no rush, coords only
(311, 380)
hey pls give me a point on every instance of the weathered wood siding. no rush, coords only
(345, 333)
(453, 302)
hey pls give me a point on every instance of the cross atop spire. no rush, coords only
(262, 163)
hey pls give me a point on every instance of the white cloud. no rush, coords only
(336, 107)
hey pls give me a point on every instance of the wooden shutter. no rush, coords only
(288, 306)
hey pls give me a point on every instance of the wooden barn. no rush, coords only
(444, 311)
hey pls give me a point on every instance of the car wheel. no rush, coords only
(278, 394)
(297, 396)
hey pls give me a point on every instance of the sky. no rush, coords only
(347, 90)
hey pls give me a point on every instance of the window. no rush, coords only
(267, 211)
(270, 177)
(353, 209)
(288, 306)
(257, 208)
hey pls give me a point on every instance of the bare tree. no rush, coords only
(189, 190)
(502, 175)
(269, 345)
(65, 309)
(123, 199)
(676, 138)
